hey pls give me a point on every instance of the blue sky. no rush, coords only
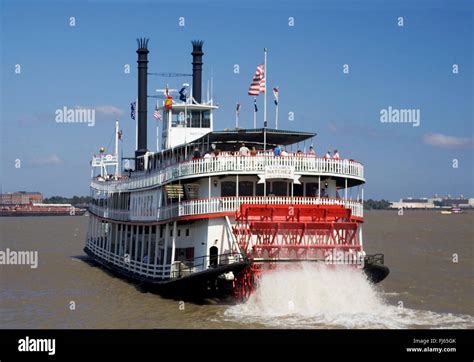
(407, 67)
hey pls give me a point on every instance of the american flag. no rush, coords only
(275, 94)
(258, 82)
(157, 113)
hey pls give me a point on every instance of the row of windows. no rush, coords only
(277, 188)
(194, 119)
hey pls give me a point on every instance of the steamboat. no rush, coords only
(204, 216)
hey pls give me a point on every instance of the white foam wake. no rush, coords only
(318, 296)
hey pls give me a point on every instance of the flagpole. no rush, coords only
(265, 118)
(157, 130)
(265, 94)
(117, 170)
(237, 116)
(185, 128)
(254, 113)
(136, 123)
(276, 111)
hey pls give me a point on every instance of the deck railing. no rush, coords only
(217, 205)
(146, 269)
(304, 164)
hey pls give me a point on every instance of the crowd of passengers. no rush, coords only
(245, 151)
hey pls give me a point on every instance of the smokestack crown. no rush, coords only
(142, 45)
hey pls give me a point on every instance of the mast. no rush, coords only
(117, 130)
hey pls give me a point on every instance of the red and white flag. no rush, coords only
(258, 82)
(157, 113)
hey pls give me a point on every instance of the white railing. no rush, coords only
(308, 165)
(223, 204)
(147, 269)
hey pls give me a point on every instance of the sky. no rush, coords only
(426, 66)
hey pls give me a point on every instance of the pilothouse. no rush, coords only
(209, 211)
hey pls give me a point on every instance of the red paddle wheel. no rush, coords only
(272, 234)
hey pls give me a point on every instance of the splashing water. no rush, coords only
(318, 296)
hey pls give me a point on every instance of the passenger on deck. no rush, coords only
(196, 153)
(336, 155)
(284, 153)
(276, 150)
(244, 151)
(253, 151)
(207, 155)
(328, 155)
(311, 151)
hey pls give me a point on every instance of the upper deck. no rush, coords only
(299, 164)
(180, 163)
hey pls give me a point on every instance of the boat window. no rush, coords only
(177, 119)
(246, 188)
(227, 188)
(196, 119)
(187, 232)
(298, 190)
(206, 119)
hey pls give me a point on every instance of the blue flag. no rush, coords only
(182, 94)
(133, 107)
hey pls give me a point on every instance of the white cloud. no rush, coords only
(105, 110)
(441, 140)
(109, 110)
(50, 160)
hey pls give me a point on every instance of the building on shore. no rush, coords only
(433, 203)
(21, 198)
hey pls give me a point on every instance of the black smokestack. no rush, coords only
(142, 61)
(197, 69)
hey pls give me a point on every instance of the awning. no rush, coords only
(226, 140)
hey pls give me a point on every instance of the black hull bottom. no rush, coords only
(375, 269)
(196, 286)
(210, 283)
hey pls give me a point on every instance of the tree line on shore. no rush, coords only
(376, 204)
